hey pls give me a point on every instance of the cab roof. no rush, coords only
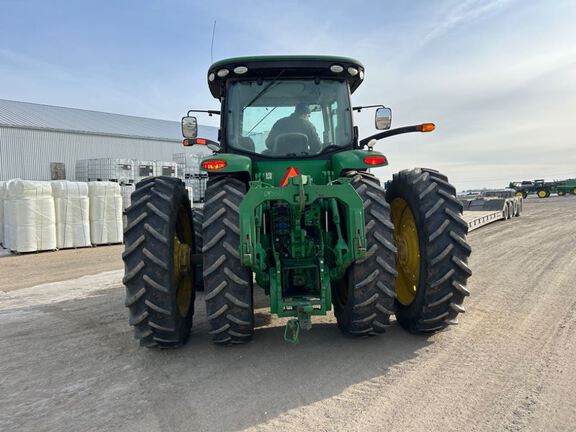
(285, 66)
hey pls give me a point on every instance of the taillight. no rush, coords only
(290, 172)
(214, 164)
(375, 160)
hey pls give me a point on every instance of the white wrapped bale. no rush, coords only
(30, 217)
(2, 196)
(105, 212)
(72, 214)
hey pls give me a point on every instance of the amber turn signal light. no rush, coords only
(427, 127)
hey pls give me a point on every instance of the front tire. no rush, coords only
(158, 275)
(364, 299)
(430, 235)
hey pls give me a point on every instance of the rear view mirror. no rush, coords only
(189, 127)
(383, 119)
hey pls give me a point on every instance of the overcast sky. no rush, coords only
(498, 77)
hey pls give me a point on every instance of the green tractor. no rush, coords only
(292, 209)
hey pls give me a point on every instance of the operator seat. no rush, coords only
(292, 142)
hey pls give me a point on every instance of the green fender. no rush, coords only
(234, 164)
(354, 160)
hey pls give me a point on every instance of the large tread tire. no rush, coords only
(197, 219)
(228, 285)
(364, 298)
(160, 210)
(444, 251)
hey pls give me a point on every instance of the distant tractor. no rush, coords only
(543, 189)
(292, 208)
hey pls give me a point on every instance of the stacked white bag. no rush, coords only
(29, 216)
(72, 214)
(105, 212)
(2, 196)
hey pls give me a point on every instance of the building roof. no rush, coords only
(46, 117)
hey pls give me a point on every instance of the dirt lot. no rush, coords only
(26, 270)
(68, 360)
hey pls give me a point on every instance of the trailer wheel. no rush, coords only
(364, 299)
(561, 193)
(541, 193)
(197, 219)
(228, 284)
(573, 191)
(506, 212)
(432, 260)
(514, 207)
(159, 277)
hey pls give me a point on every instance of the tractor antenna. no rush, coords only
(212, 43)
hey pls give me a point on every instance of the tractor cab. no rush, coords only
(287, 107)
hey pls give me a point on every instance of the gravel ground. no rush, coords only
(68, 361)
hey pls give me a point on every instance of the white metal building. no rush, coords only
(33, 136)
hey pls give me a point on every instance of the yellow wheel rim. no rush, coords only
(518, 194)
(182, 268)
(408, 264)
(541, 194)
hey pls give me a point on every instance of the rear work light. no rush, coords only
(375, 160)
(214, 164)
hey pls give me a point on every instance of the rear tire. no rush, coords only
(432, 250)
(541, 193)
(158, 276)
(197, 219)
(364, 299)
(228, 284)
